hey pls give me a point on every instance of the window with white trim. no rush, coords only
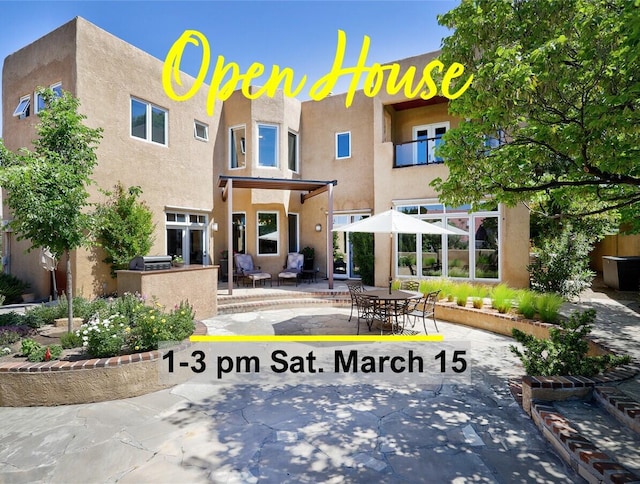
(268, 233)
(186, 236)
(149, 122)
(200, 131)
(22, 110)
(471, 251)
(343, 145)
(293, 151)
(39, 103)
(268, 145)
(237, 147)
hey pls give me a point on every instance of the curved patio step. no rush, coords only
(274, 302)
(620, 405)
(589, 440)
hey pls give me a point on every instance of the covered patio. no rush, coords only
(310, 188)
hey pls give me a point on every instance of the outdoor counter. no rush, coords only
(194, 283)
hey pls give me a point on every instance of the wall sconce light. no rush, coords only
(214, 226)
(318, 227)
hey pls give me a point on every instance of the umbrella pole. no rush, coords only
(390, 260)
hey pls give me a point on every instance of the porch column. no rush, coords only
(230, 236)
(330, 237)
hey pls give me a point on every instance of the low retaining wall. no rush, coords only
(83, 381)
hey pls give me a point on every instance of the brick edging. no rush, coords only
(623, 407)
(581, 454)
(62, 365)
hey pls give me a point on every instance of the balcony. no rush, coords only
(417, 152)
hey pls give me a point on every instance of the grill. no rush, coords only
(150, 263)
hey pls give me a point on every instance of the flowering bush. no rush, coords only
(129, 324)
(103, 337)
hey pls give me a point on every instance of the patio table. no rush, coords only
(395, 298)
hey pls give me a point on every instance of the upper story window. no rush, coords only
(237, 147)
(39, 99)
(267, 145)
(343, 145)
(421, 150)
(22, 110)
(201, 131)
(148, 122)
(293, 151)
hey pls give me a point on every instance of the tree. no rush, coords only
(124, 227)
(551, 117)
(46, 187)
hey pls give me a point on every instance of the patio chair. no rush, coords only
(354, 287)
(365, 307)
(293, 268)
(391, 315)
(424, 308)
(244, 266)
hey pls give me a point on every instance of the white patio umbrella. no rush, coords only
(393, 222)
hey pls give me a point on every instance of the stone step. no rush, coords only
(240, 306)
(620, 405)
(608, 435)
(590, 440)
(273, 293)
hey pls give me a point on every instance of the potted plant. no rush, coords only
(177, 261)
(309, 254)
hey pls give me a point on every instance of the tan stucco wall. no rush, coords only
(104, 72)
(39, 64)
(515, 245)
(615, 245)
(79, 386)
(196, 284)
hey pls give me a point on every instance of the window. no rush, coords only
(293, 151)
(186, 236)
(268, 233)
(239, 225)
(200, 131)
(294, 244)
(148, 122)
(39, 99)
(267, 145)
(237, 147)
(22, 110)
(343, 145)
(471, 251)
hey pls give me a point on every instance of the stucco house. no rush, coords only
(376, 154)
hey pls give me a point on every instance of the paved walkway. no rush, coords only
(296, 432)
(207, 432)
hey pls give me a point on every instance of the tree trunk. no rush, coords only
(69, 294)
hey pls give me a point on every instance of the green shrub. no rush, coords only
(104, 337)
(527, 303)
(12, 319)
(363, 256)
(561, 265)
(565, 352)
(71, 340)
(130, 324)
(462, 292)
(35, 352)
(478, 293)
(12, 288)
(125, 227)
(45, 313)
(548, 307)
(502, 297)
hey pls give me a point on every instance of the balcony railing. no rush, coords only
(417, 152)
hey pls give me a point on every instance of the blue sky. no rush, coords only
(297, 34)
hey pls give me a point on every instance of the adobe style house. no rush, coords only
(376, 154)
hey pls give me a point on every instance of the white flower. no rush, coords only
(85, 343)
